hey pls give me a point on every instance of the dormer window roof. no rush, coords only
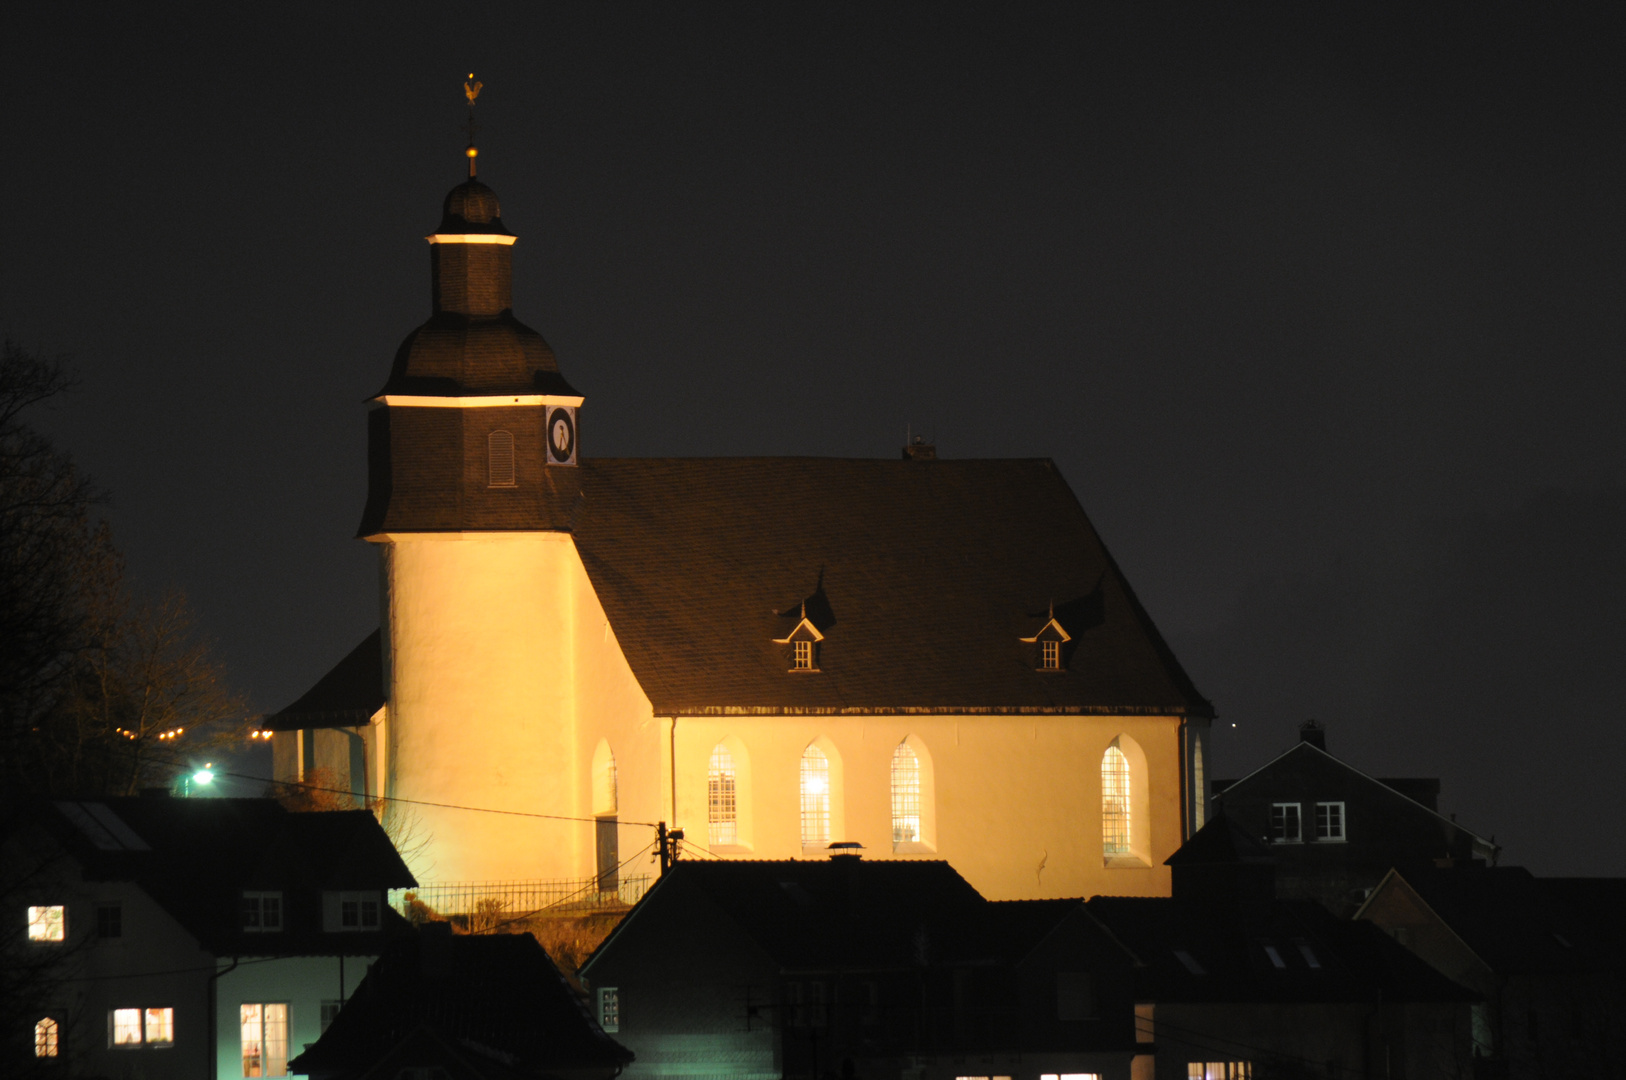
(1050, 638)
(804, 641)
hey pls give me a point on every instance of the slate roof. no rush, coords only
(1517, 922)
(347, 696)
(195, 857)
(497, 998)
(923, 577)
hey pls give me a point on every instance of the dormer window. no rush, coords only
(804, 644)
(1049, 639)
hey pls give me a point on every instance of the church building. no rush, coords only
(933, 659)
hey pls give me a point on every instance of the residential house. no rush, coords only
(1547, 955)
(442, 1007)
(1232, 983)
(190, 938)
(1337, 831)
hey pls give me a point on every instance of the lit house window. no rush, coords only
(48, 923)
(1219, 1070)
(815, 797)
(1051, 658)
(500, 459)
(609, 1008)
(1114, 802)
(905, 795)
(1329, 822)
(129, 1029)
(265, 1038)
(804, 655)
(1285, 824)
(262, 912)
(721, 813)
(1199, 784)
(46, 1036)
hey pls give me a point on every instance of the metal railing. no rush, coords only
(516, 899)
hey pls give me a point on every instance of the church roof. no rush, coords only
(923, 577)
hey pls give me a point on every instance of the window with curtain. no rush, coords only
(815, 797)
(721, 820)
(46, 1033)
(265, 1038)
(905, 795)
(1114, 802)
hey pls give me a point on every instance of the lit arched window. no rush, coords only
(45, 1038)
(815, 797)
(500, 458)
(1114, 802)
(605, 795)
(905, 795)
(721, 812)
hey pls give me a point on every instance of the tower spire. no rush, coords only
(471, 90)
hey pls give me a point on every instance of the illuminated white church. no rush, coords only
(931, 658)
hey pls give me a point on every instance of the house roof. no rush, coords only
(494, 997)
(1199, 952)
(923, 577)
(1516, 922)
(194, 856)
(840, 913)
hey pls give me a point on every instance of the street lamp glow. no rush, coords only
(204, 775)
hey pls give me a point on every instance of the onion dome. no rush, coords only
(471, 209)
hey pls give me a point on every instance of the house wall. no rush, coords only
(303, 982)
(696, 999)
(153, 964)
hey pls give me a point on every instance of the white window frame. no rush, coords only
(1050, 655)
(1279, 833)
(262, 1039)
(255, 905)
(722, 798)
(906, 795)
(609, 1008)
(148, 1020)
(47, 924)
(1339, 836)
(333, 904)
(1117, 797)
(802, 650)
(817, 797)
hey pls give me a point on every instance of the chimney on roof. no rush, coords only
(918, 449)
(1314, 734)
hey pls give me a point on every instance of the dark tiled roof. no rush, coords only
(835, 913)
(195, 856)
(346, 696)
(1228, 946)
(923, 577)
(1517, 922)
(497, 997)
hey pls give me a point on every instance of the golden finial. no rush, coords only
(471, 90)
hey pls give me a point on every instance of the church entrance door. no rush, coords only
(609, 857)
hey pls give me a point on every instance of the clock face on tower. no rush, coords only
(562, 436)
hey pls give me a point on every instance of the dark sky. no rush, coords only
(1320, 311)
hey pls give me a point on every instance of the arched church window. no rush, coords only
(500, 459)
(722, 818)
(1114, 802)
(605, 793)
(815, 797)
(905, 795)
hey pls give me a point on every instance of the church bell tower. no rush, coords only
(472, 485)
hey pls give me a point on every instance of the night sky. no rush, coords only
(1321, 313)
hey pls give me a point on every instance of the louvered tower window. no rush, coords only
(721, 820)
(500, 459)
(1114, 802)
(815, 797)
(905, 795)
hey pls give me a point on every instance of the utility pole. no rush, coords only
(668, 844)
